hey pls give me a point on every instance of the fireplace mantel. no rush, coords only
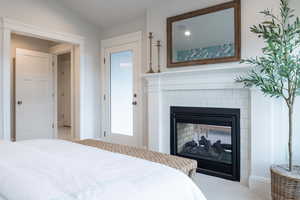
(190, 87)
(184, 80)
(199, 79)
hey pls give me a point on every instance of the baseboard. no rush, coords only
(261, 186)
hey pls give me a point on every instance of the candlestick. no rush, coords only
(158, 55)
(150, 62)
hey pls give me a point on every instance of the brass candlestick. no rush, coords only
(158, 55)
(150, 62)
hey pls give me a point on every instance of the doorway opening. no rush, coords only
(64, 108)
(42, 89)
(64, 41)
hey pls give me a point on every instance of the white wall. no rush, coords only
(51, 15)
(296, 4)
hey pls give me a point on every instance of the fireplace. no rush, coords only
(209, 135)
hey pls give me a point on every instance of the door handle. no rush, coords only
(19, 102)
(134, 103)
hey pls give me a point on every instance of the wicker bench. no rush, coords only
(187, 166)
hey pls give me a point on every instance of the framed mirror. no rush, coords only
(206, 36)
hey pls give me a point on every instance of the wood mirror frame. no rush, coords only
(236, 4)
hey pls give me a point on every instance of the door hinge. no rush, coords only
(52, 125)
(104, 60)
(104, 97)
(104, 133)
(53, 63)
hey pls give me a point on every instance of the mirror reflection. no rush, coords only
(208, 36)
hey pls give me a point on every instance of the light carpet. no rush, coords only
(220, 189)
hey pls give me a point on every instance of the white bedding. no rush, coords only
(60, 170)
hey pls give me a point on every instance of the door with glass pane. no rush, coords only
(121, 98)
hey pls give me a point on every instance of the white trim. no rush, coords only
(26, 52)
(194, 80)
(54, 60)
(31, 30)
(61, 49)
(207, 70)
(6, 85)
(135, 37)
(8, 26)
(120, 40)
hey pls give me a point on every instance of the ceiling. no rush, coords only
(107, 13)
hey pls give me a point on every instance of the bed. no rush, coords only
(61, 170)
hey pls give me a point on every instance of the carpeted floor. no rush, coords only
(219, 189)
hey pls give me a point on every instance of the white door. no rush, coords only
(34, 95)
(121, 98)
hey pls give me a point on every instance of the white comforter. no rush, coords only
(59, 170)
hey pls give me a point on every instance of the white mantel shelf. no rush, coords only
(196, 79)
(240, 68)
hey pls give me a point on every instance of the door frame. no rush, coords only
(135, 37)
(59, 50)
(9, 26)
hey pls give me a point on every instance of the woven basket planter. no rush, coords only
(285, 185)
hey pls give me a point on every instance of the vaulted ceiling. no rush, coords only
(107, 13)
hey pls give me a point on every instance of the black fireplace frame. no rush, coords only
(212, 116)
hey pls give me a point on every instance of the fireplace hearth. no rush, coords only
(209, 135)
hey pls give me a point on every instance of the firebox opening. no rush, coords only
(209, 135)
(205, 141)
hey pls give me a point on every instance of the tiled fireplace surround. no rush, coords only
(214, 88)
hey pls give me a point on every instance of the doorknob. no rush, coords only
(19, 102)
(134, 103)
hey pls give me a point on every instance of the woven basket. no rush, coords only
(285, 185)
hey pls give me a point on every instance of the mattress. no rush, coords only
(61, 170)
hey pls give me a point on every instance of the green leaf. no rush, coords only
(279, 67)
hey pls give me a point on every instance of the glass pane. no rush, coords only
(210, 142)
(121, 93)
(208, 36)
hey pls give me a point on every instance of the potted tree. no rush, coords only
(277, 74)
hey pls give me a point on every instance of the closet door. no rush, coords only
(34, 95)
